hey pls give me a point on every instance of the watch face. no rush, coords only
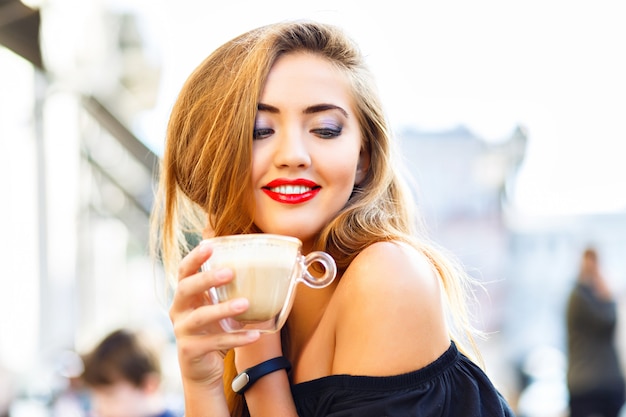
(240, 382)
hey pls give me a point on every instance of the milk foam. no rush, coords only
(263, 275)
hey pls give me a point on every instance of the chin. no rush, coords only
(304, 235)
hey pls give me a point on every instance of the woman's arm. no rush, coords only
(390, 316)
(270, 396)
(203, 401)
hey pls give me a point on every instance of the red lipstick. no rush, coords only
(291, 191)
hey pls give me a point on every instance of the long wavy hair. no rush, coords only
(205, 178)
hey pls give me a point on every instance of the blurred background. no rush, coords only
(510, 116)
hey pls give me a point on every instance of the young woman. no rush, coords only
(280, 131)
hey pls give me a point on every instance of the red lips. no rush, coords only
(291, 191)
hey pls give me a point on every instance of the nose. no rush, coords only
(292, 150)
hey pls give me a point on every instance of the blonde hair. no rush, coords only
(206, 167)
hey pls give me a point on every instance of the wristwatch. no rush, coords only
(248, 377)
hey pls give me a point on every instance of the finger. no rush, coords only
(200, 282)
(193, 261)
(193, 292)
(198, 346)
(206, 319)
(232, 340)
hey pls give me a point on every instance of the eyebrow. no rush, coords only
(309, 110)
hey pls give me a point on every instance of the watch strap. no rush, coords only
(248, 377)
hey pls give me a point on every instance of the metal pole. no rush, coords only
(40, 84)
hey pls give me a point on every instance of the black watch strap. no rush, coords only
(244, 380)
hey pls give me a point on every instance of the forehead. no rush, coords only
(117, 389)
(303, 78)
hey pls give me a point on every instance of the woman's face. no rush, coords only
(307, 147)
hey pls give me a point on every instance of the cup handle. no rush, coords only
(330, 269)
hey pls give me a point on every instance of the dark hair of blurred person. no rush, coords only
(123, 375)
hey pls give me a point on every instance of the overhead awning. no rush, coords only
(19, 30)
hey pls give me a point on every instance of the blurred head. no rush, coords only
(122, 374)
(206, 170)
(589, 265)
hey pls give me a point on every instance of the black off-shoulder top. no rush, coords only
(451, 386)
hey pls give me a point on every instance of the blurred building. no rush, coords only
(79, 186)
(462, 187)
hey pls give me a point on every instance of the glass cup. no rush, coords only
(266, 270)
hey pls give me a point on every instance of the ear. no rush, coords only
(363, 165)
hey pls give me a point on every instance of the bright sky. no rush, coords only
(555, 66)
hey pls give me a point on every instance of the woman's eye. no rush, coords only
(327, 132)
(262, 133)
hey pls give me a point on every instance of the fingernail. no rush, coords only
(239, 304)
(203, 245)
(253, 334)
(222, 274)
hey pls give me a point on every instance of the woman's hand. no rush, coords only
(200, 340)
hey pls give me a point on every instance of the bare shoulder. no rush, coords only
(398, 257)
(394, 269)
(389, 312)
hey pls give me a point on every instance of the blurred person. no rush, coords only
(123, 376)
(281, 131)
(594, 376)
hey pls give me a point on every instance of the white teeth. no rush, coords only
(291, 189)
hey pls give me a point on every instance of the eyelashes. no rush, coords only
(328, 132)
(261, 133)
(325, 132)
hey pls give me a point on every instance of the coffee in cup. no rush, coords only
(266, 271)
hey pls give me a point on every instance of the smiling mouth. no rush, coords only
(291, 194)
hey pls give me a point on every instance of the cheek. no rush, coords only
(344, 173)
(341, 167)
(260, 164)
